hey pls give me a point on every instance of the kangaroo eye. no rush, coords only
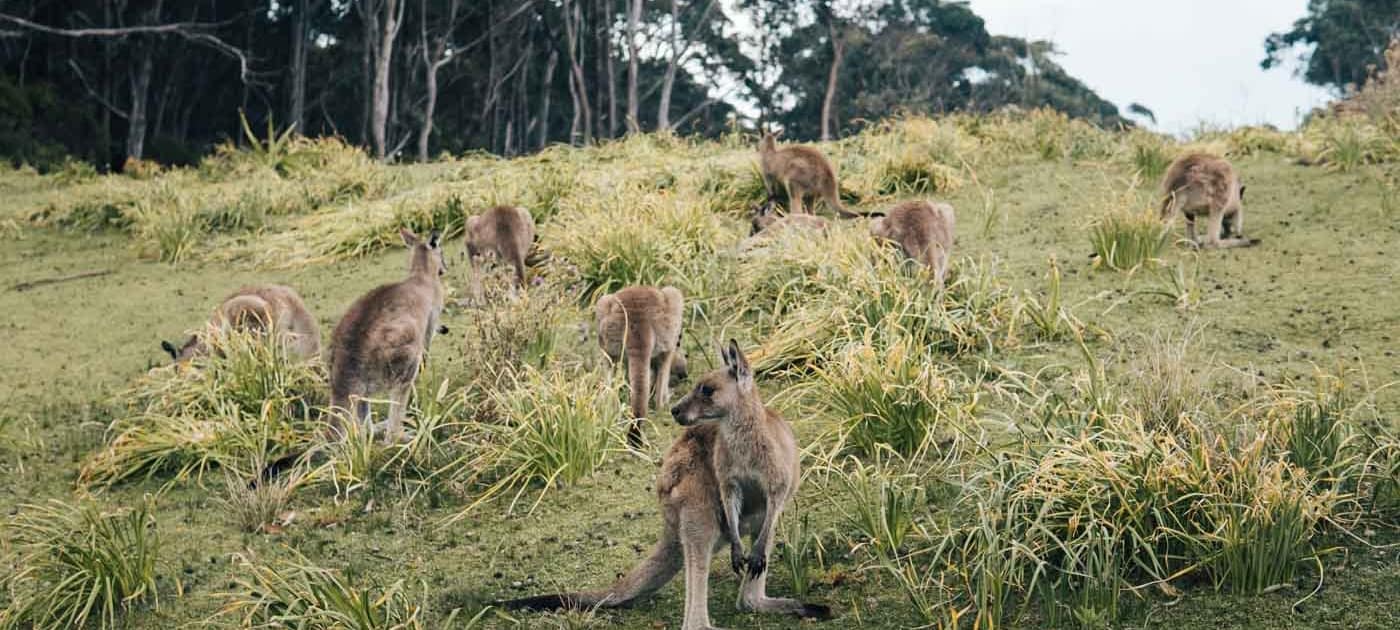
(706, 390)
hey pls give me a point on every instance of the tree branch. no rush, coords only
(193, 31)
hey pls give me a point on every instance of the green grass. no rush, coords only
(1202, 385)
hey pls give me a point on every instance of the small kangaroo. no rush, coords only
(802, 172)
(506, 231)
(644, 325)
(1199, 184)
(923, 230)
(730, 474)
(259, 309)
(765, 222)
(380, 342)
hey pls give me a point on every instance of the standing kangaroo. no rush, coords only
(1199, 184)
(506, 231)
(923, 230)
(802, 172)
(644, 325)
(380, 342)
(727, 476)
(268, 308)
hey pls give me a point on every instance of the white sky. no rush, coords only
(1189, 61)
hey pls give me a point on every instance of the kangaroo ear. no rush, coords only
(169, 348)
(409, 238)
(1242, 187)
(433, 239)
(738, 364)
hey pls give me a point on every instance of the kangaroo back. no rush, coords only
(247, 312)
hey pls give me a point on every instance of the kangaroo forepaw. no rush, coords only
(737, 560)
(757, 565)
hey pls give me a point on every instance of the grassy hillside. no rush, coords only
(1198, 440)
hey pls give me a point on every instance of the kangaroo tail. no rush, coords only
(833, 198)
(646, 578)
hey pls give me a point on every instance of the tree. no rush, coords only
(436, 54)
(680, 46)
(1341, 40)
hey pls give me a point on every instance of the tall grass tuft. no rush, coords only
(80, 565)
(556, 427)
(890, 394)
(1124, 241)
(253, 401)
(297, 594)
(634, 238)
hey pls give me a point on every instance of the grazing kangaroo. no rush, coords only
(506, 231)
(1199, 184)
(382, 338)
(644, 325)
(259, 309)
(923, 230)
(728, 475)
(802, 172)
(766, 222)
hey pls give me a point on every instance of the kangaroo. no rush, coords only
(382, 338)
(644, 325)
(728, 475)
(259, 309)
(508, 232)
(923, 230)
(766, 222)
(801, 172)
(1199, 184)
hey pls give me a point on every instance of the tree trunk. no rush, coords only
(668, 80)
(634, 17)
(838, 50)
(389, 29)
(545, 91)
(369, 18)
(296, 103)
(612, 87)
(578, 86)
(140, 93)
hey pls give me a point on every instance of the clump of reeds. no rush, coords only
(1123, 240)
(80, 565)
(554, 427)
(296, 593)
(249, 398)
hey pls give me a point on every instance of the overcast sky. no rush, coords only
(1190, 61)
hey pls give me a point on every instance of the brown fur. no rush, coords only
(380, 342)
(729, 475)
(643, 324)
(767, 223)
(259, 309)
(1201, 185)
(802, 172)
(923, 230)
(505, 231)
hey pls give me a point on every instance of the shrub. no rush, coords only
(81, 565)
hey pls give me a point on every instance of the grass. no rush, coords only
(1037, 446)
(81, 565)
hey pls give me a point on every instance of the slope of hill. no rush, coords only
(1201, 439)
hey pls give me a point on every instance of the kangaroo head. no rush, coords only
(192, 348)
(425, 255)
(769, 143)
(762, 216)
(719, 394)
